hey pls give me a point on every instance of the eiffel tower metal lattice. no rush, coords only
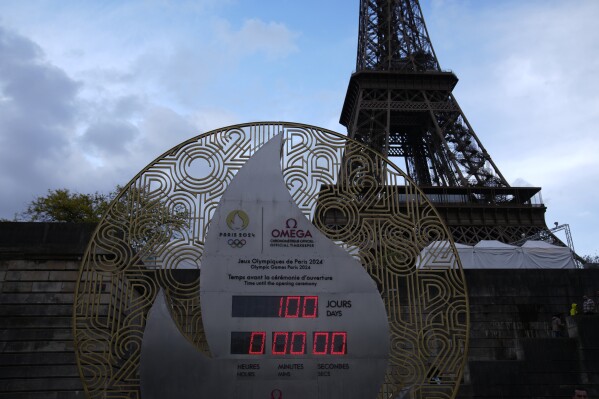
(400, 102)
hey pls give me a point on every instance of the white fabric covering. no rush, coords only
(497, 255)
(540, 253)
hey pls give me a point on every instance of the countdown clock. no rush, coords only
(287, 313)
(289, 310)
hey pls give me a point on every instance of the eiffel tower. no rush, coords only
(400, 103)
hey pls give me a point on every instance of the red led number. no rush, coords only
(310, 307)
(321, 343)
(293, 307)
(279, 343)
(288, 343)
(330, 343)
(338, 343)
(281, 302)
(257, 340)
(298, 343)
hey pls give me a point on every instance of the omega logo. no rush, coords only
(291, 231)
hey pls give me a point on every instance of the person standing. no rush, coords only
(588, 305)
(556, 326)
(574, 310)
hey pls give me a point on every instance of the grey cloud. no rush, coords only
(36, 119)
(215, 61)
(273, 39)
(52, 136)
(16, 48)
(37, 99)
(163, 128)
(128, 106)
(35, 88)
(109, 137)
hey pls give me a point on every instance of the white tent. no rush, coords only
(541, 255)
(489, 254)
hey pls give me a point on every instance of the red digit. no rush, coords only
(257, 343)
(321, 343)
(292, 307)
(310, 307)
(281, 306)
(339, 343)
(279, 343)
(298, 343)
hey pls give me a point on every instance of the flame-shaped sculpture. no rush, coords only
(277, 253)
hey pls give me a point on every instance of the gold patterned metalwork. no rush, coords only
(153, 237)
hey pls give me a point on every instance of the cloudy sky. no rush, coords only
(91, 92)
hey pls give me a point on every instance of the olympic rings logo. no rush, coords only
(235, 243)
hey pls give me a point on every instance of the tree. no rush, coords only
(591, 258)
(62, 205)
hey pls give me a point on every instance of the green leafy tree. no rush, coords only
(62, 205)
(160, 220)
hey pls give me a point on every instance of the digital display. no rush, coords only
(289, 343)
(290, 307)
(248, 342)
(329, 343)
